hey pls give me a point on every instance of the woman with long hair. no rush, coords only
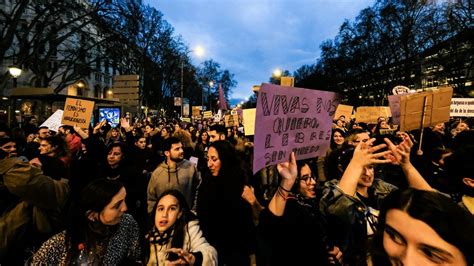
(97, 226)
(175, 235)
(418, 227)
(295, 208)
(226, 219)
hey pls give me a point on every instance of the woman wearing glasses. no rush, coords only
(292, 218)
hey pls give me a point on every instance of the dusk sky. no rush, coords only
(251, 38)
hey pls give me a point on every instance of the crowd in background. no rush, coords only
(155, 191)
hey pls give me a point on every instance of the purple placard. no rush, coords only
(291, 119)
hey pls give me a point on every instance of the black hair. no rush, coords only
(220, 129)
(94, 197)
(450, 221)
(332, 144)
(231, 171)
(180, 224)
(299, 165)
(59, 143)
(167, 143)
(459, 165)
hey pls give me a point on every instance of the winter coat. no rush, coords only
(347, 216)
(194, 242)
(30, 204)
(124, 244)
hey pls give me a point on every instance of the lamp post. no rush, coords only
(15, 72)
(199, 51)
(211, 84)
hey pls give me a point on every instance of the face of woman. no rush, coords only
(213, 162)
(114, 211)
(114, 133)
(167, 212)
(408, 241)
(204, 136)
(114, 157)
(307, 182)
(338, 138)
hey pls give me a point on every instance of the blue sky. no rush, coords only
(251, 38)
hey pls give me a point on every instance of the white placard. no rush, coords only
(462, 107)
(54, 121)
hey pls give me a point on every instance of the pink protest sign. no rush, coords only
(291, 119)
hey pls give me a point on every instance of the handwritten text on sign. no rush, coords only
(77, 112)
(291, 119)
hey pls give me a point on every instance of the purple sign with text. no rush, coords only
(291, 119)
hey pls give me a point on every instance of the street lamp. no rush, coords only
(277, 73)
(211, 84)
(199, 51)
(15, 72)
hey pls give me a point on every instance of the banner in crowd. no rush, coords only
(231, 120)
(291, 120)
(287, 81)
(54, 121)
(462, 107)
(196, 111)
(430, 107)
(77, 112)
(207, 114)
(345, 110)
(370, 114)
(249, 121)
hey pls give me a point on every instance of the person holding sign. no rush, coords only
(294, 208)
(351, 205)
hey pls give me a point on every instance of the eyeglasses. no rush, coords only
(307, 178)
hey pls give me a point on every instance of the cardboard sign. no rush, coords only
(186, 119)
(54, 121)
(207, 114)
(231, 120)
(287, 81)
(370, 114)
(249, 121)
(409, 109)
(77, 112)
(462, 107)
(345, 110)
(196, 112)
(292, 120)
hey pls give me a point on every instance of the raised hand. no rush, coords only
(400, 152)
(365, 154)
(288, 170)
(125, 124)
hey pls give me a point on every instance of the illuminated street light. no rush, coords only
(277, 73)
(15, 72)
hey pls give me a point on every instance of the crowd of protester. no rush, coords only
(155, 191)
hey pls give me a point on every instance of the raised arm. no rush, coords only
(401, 155)
(288, 172)
(364, 156)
